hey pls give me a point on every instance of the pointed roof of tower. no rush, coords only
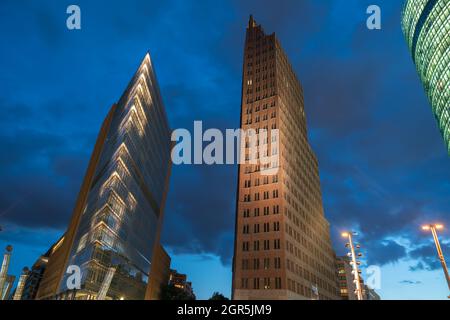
(251, 22)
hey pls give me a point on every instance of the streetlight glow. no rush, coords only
(354, 262)
(437, 226)
(434, 228)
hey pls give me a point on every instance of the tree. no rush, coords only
(218, 296)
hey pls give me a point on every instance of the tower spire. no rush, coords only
(251, 22)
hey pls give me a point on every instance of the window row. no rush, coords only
(266, 211)
(256, 183)
(266, 227)
(248, 264)
(265, 245)
(261, 283)
(256, 196)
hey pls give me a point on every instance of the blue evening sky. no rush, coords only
(383, 164)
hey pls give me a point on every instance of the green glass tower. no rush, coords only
(426, 25)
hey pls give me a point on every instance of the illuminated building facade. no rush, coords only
(370, 294)
(20, 286)
(4, 272)
(426, 25)
(34, 279)
(115, 228)
(48, 285)
(347, 286)
(282, 242)
(36, 275)
(179, 280)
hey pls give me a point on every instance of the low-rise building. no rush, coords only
(179, 280)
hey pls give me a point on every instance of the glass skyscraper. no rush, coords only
(114, 232)
(426, 25)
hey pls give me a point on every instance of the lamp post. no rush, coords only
(434, 228)
(354, 263)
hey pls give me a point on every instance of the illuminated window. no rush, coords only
(82, 243)
(116, 204)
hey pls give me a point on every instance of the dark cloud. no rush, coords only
(36, 201)
(409, 282)
(41, 167)
(33, 237)
(427, 258)
(22, 143)
(385, 252)
(195, 215)
(419, 266)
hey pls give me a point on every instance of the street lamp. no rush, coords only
(433, 228)
(354, 263)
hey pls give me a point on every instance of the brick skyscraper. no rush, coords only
(282, 244)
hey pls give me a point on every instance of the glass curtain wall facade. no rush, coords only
(426, 25)
(282, 243)
(118, 232)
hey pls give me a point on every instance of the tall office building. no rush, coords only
(370, 294)
(426, 25)
(36, 274)
(4, 271)
(114, 232)
(347, 285)
(282, 243)
(48, 285)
